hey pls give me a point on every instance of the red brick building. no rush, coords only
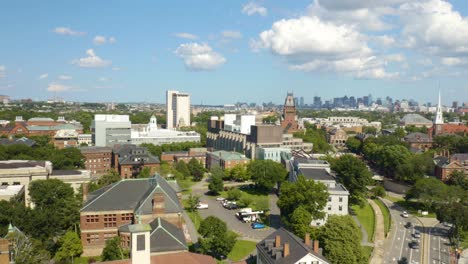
(419, 141)
(445, 166)
(176, 156)
(98, 160)
(117, 205)
(289, 121)
(129, 160)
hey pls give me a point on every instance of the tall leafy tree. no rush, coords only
(70, 247)
(196, 169)
(340, 239)
(309, 195)
(216, 181)
(354, 175)
(266, 173)
(113, 250)
(182, 167)
(216, 240)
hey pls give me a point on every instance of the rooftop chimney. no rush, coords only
(316, 246)
(277, 241)
(85, 191)
(307, 240)
(286, 250)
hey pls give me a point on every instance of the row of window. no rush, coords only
(94, 238)
(340, 208)
(110, 220)
(340, 199)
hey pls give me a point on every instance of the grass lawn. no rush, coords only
(259, 199)
(412, 207)
(84, 260)
(366, 217)
(393, 198)
(386, 215)
(241, 250)
(367, 251)
(186, 185)
(194, 216)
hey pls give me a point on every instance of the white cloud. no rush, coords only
(65, 77)
(252, 8)
(185, 35)
(199, 57)
(92, 61)
(56, 87)
(103, 79)
(434, 27)
(453, 61)
(68, 31)
(43, 76)
(2, 71)
(101, 40)
(384, 40)
(356, 14)
(395, 58)
(310, 44)
(231, 34)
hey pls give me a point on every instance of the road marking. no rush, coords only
(439, 248)
(402, 244)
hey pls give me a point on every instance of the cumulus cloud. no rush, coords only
(231, 34)
(252, 8)
(310, 44)
(92, 61)
(185, 35)
(2, 71)
(434, 27)
(384, 40)
(56, 87)
(43, 76)
(453, 61)
(101, 40)
(199, 57)
(65, 77)
(68, 31)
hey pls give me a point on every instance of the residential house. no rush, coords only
(225, 159)
(130, 160)
(283, 247)
(98, 160)
(445, 166)
(419, 141)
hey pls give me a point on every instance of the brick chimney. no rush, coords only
(277, 241)
(307, 240)
(85, 187)
(158, 203)
(286, 250)
(316, 246)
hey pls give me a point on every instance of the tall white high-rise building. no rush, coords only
(178, 109)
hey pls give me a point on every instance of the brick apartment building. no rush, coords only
(225, 159)
(119, 204)
(98, 160)
(129, 160)
(419, 141)
(445, 166)
(176, 156)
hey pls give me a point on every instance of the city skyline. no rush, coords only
(253, 51)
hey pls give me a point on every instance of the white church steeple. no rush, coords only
(438, 119)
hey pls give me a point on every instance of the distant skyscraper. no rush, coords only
(178, 109)
(455, 105)
(317, 102)
(365, 100)
(371, 100)
(301, 101)
(352, 101)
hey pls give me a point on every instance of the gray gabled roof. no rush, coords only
(133, 194)
(297, 248)
(316, 174)
(21, 141)
(166, 237)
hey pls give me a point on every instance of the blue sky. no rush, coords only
(227, 51)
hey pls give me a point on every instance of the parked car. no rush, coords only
(414, 244)
(220, 199)
(405, 214)
(417, 234)
(257, 225)
(408, 225)
(202, 206)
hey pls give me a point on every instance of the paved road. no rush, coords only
(438, 245)
(397, 244)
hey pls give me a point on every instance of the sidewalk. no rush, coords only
(379, 239)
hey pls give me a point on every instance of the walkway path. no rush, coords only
(379, 234)
(365, 239)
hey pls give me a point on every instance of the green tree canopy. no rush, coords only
(354, 175)
(113, 250)
(196, 169)
(216, 181)
(311, 196)
(354, 145)
(182, 167)
(70, 247)
(216, 240)
(266, 173)
(341, 238)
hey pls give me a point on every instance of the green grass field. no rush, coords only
(260, 200)
(241, 250)
(393, 198)
(367, 251)
(386, 215)
(366, 217)
(194, 216)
